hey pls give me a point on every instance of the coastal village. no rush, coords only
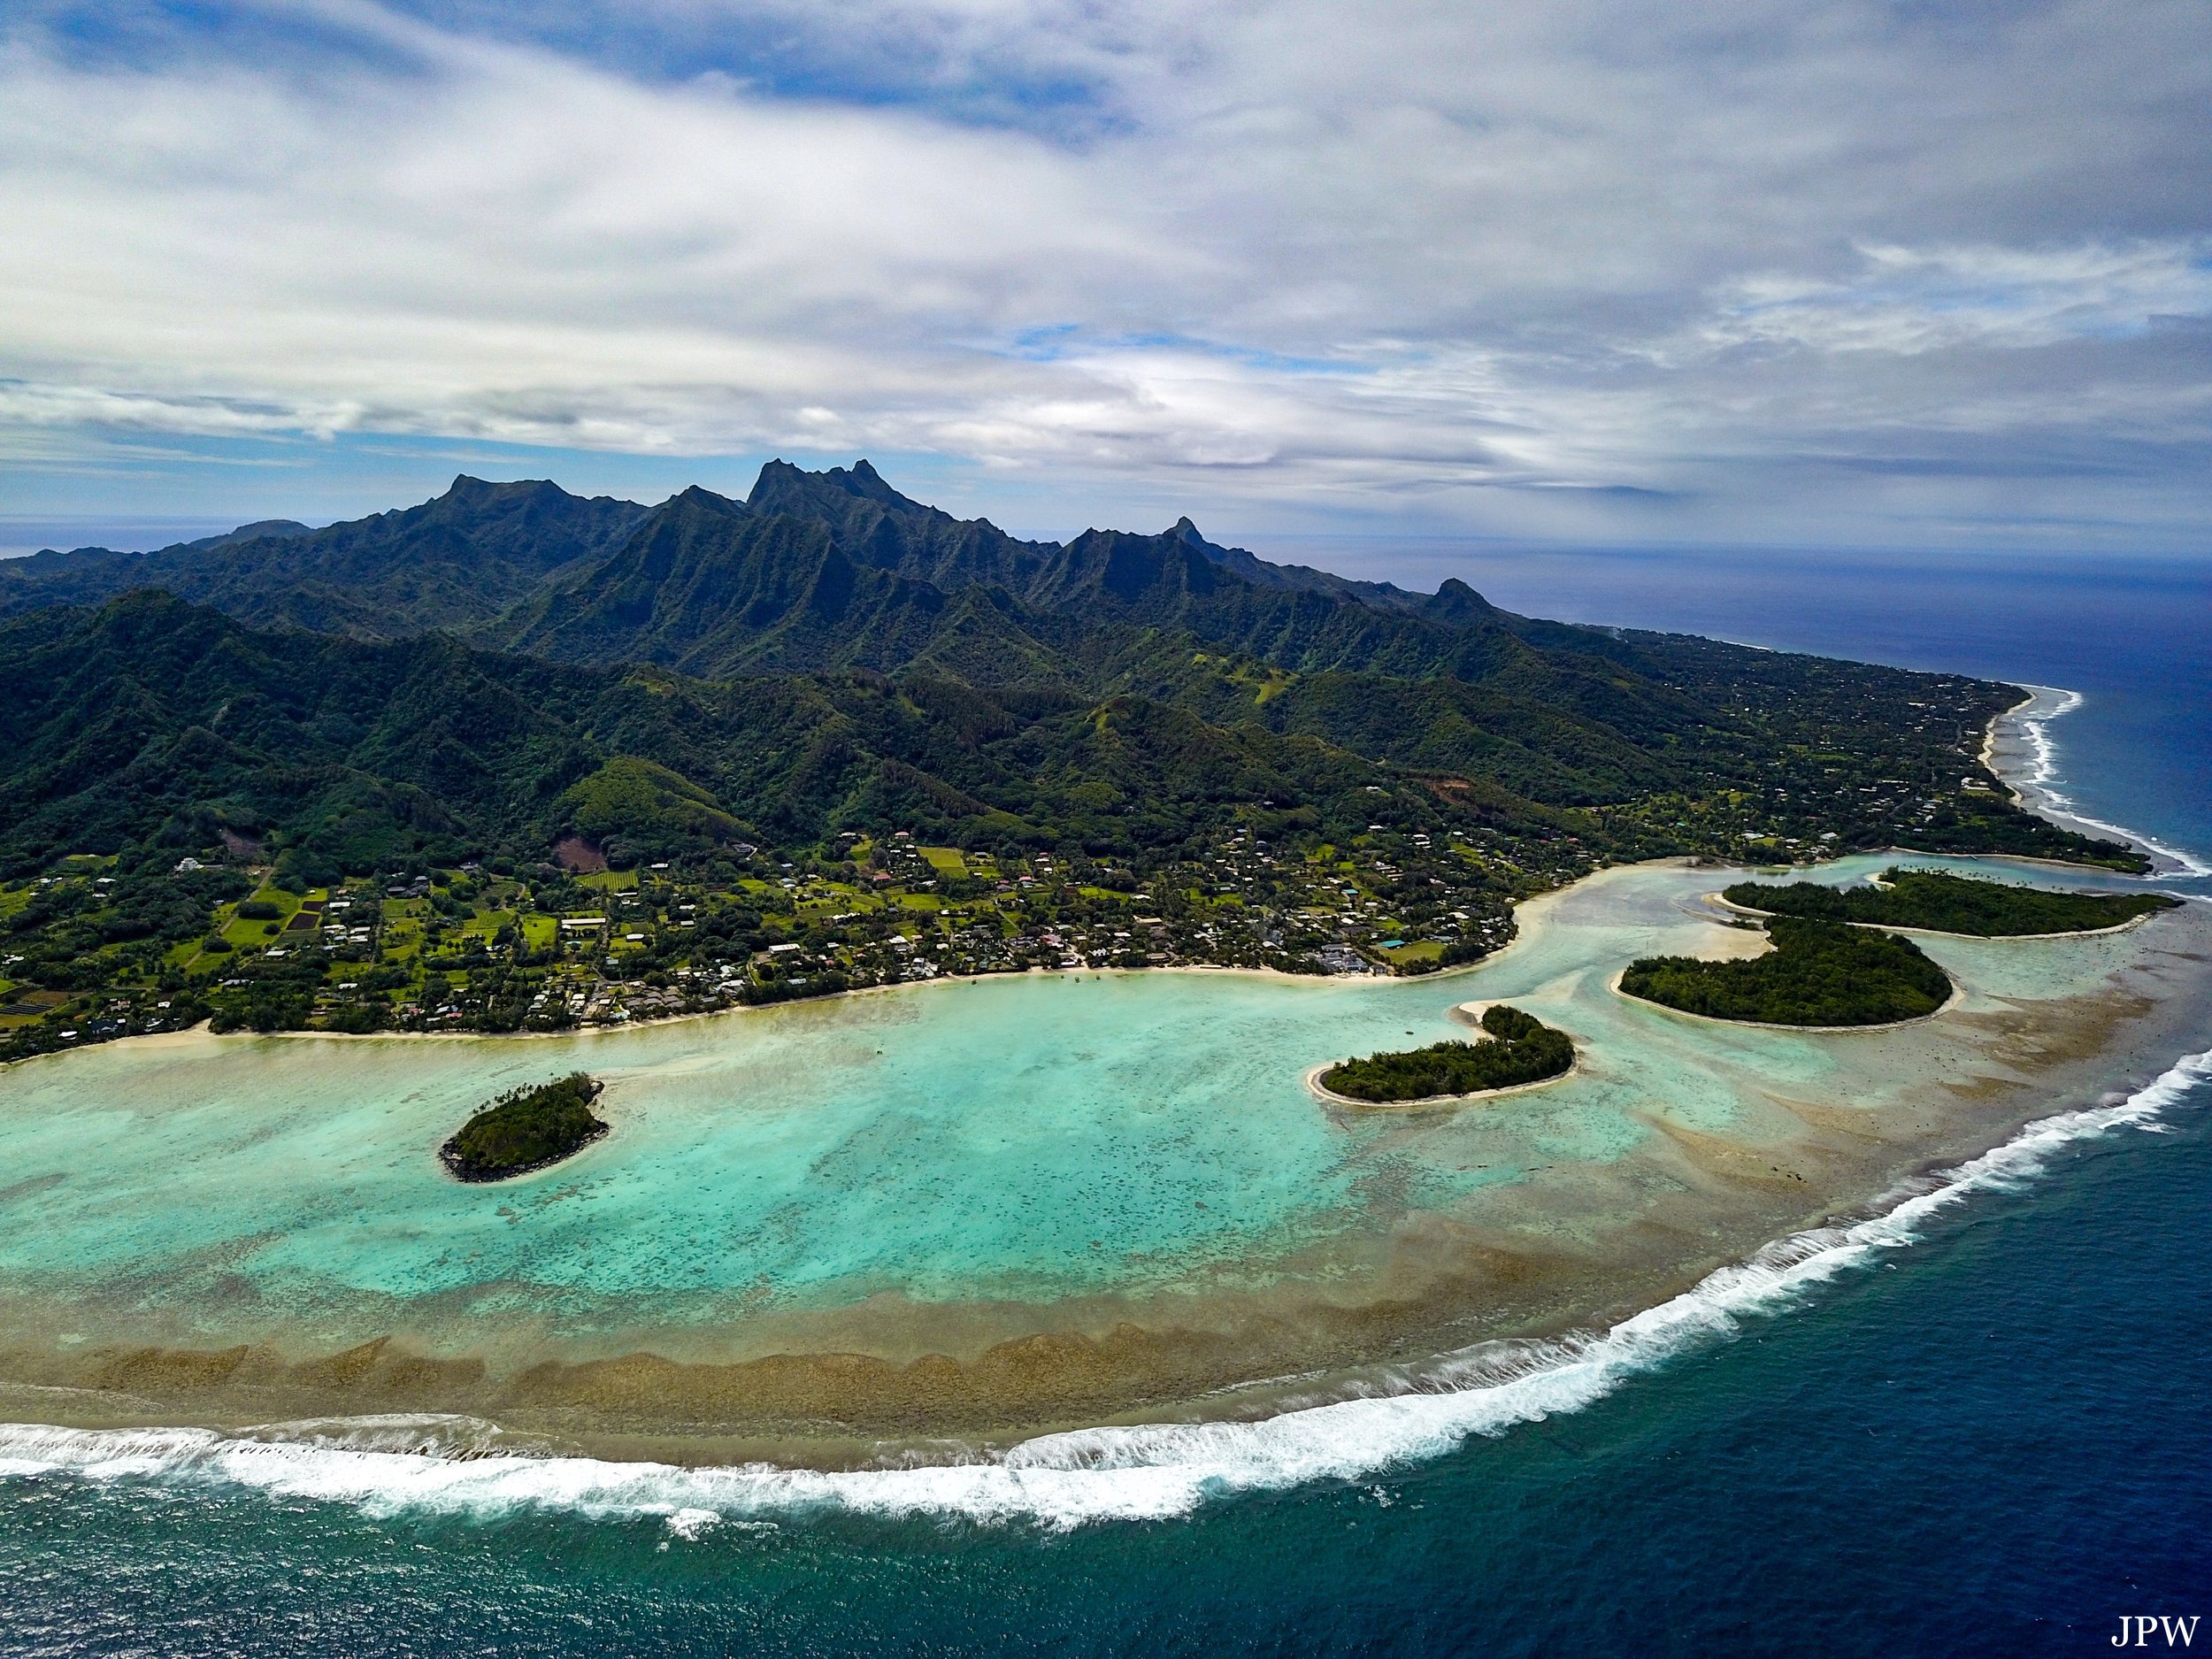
(491, 948)
(92, 951)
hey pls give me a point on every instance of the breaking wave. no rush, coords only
(467, 1468)
(2040, 778)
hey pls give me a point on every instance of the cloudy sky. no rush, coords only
(1814, 272)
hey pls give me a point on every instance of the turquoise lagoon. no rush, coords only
(1024, 1142)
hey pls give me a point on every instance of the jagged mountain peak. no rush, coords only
(782, 486)
(812, 569)
(1455, 603)
(698, 496)
(822, 567)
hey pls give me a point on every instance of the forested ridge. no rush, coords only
(835, 737)
(828, 655)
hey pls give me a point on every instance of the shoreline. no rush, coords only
(1988, 755)
(794, 1392)
(199, 1029)
(2186, 867)
(2030, 782)
(643, 1404)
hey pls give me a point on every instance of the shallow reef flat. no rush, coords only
(975, 1210)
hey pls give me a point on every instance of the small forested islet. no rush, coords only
(526, 1129)
(1520, 1049)
(1819, 973)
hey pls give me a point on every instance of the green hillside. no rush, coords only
(1125, 750)
(629, 808)
(453, 562)
(152, 721)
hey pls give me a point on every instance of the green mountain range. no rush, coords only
(455, 564)
(509, 665)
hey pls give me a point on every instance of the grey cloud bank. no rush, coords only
(1828, 274)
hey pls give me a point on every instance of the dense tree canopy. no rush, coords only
(1942, 903)
(526, 1129)
(1520, 1048)
(1819, 973)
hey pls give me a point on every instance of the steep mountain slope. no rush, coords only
(452, 563)
(152, 720)
(155, 719)
(829, 652)
(715, 586)
(156, 723)
(836, 569)
(878, 526)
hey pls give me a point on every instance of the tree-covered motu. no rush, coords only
(1940, 902)
(526, 1129)
(1819, 973)
(1519, 1050)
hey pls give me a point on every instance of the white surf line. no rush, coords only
(391, 1466)
(2043, 773)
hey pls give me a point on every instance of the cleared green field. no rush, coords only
(254, 932)
(402, 935)
(1419, 950)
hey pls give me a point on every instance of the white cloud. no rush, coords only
(1398, 257)
(1907, 301)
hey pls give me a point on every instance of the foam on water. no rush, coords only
(2043, 771)
(460, 1467)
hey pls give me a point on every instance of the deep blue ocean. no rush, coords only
(1997, 1440)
